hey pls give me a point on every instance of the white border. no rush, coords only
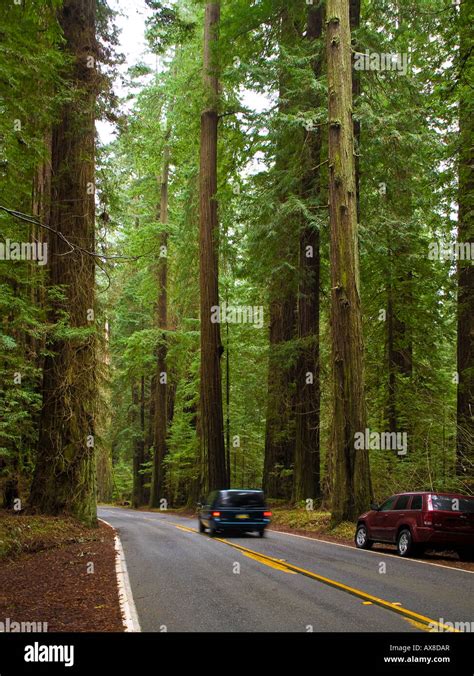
(127, 604)
(371, 551)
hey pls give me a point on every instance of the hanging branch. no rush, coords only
(72, 247)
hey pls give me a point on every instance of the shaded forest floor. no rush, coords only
(55, 571)
(316, 524)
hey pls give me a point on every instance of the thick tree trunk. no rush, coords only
(211, 413)
(158, 484)
(465, 340)
(352, 489)
(64, 479)
(306, 477)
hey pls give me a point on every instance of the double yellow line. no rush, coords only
(367, 598)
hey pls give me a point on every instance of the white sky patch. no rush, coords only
(130, 20)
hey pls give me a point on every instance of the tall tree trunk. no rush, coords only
(211, 413)
(64, 479)
(465, 339)
(306, 477)
(352, 488)
(158, 483)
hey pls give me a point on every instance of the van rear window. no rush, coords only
(446, 504)
(241, 499)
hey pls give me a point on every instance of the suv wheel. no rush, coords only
(405, 544)
(201, 526)
(212, 530)
(361, 537)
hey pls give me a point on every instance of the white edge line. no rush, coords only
(127, 604)
(376, 553)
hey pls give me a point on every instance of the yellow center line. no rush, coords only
(190, 530)
(393, 607)
(271, 564)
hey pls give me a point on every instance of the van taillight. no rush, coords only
(267, 513)
(216, 513)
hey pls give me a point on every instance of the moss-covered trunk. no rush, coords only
(351, 487)
(64, 479)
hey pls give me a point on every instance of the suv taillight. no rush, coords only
(216, 513)
(267, 513)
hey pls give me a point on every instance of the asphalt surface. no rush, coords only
(185, 581)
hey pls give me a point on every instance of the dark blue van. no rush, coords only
(234, 510)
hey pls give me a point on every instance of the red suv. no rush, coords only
(418, 521)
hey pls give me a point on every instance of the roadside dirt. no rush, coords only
(58, 573)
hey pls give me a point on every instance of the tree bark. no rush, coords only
(352, 490)
(211, 412)
(64, 478)
(465, 319)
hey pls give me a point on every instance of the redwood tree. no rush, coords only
(64, 479)
(351, 488)
(211, 414)
(465, 340)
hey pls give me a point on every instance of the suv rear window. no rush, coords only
(241, 499)
(447, 504)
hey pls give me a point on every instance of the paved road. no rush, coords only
(184, 581)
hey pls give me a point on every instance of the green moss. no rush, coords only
(316, 521)
(22, 533)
